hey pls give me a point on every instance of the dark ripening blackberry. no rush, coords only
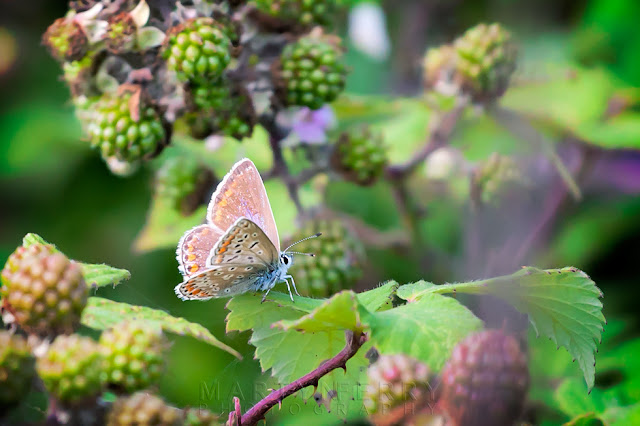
(360, 155)
(66, 40)
(133, 356)
(43, 291)
(126, 127)
(310, 73)
(226, 108)
(394, 380)
(71, 368)
(485, 381)
(338, 261)
(296, 13)
(198, 50)
(184, 183)
(17, 369)
(143, 409)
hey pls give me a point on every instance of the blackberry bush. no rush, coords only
(296, 13)
(143, 409)
(17, 369)
(43, 291)
(360, 155)
(184, 183)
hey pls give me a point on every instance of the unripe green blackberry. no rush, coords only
(485, 381)
(360, 155)
(198, 50)
(200, 417)
(395, 380)
(143, 409)
(126, 127)
(439, 67)
(338, 260)
(133, 354)
(228, 108)
(43, 291)
(71, 368)
(297, 13)
(17, 369)
(486, 59)
(66, 40)
(184, 183)
(310, 72)
(496, 175)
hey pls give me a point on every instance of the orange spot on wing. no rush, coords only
(191, 257)
(190, 248)
(193, 268)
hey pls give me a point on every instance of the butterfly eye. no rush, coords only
(285, 260)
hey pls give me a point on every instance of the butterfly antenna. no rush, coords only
(304, 239)
(304, 254)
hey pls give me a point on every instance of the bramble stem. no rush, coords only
(258, 411)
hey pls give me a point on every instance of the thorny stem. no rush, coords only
(258, 411)
(280, 168)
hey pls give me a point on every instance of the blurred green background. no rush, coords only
(52, 184)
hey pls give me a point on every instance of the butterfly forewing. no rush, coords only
(194, 249)
(245, 243)
(242, 194)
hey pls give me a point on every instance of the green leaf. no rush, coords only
(619, 131)
(380, 298)
(149, 37)
(103, 313)
(427, 329)
(563, 305)
(340, 312)
(573, 399)
(96, 275)
(412, 292)
(291, 354)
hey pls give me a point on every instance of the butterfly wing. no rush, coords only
(194, 249)
(242, 194)
(245, 243)
(242, 260)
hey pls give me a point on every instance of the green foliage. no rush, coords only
(96, 275)
(103, 313)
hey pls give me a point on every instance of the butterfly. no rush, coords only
(238, 249)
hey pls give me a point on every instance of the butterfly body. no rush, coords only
(238, 249)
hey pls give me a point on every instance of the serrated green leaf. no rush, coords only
(563, 305)
(379, 298)
(96, 275)
(291, 354)
(412, 291)
(340, 312)
(103, 275)
(427, 329)
(103, 313)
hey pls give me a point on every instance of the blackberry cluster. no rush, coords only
(198, 50)
(360, 155)
(126, 127)
(43, 290)
(17, 369)
(395, 380)
(480, 63)
(183, 182)
(338, 261)
(143, 409)
(310, 72)
(71, 368)
(66, 40)
(485, 381)
(133, 356)
(297, 13)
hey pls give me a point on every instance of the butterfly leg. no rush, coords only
(265, 295)
(288, 287)
(293, 283)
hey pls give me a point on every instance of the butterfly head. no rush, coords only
(286, 257)
(286, 260)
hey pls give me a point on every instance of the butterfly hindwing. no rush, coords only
(194, 249)
(244, 243)
(242, 194)
(219, 281)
